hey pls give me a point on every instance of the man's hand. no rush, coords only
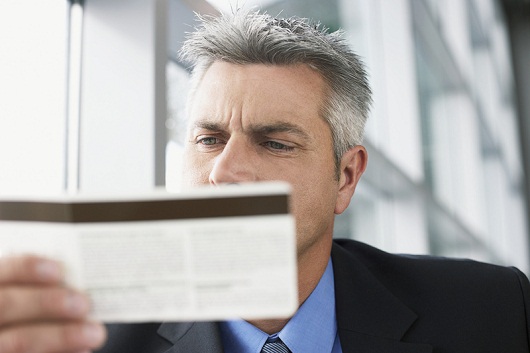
(38, 314)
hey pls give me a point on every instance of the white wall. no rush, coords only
(32, 95)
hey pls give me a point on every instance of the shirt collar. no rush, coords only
(313, 328)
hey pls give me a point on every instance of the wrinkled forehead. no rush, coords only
(268, 87)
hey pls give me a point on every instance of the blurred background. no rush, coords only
(92, 98)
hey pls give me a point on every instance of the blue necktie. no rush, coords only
(275, 347)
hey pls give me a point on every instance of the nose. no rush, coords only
(236, 163)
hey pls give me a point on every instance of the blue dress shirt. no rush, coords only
(313, 328)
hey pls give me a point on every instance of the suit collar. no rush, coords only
(369, 317)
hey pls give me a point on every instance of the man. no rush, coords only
(281, 99)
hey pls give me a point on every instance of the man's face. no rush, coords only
(261, 123)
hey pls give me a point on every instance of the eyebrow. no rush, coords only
(266, 129)
(259, 129)
(207, 125)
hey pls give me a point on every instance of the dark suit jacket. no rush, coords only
(387, 304)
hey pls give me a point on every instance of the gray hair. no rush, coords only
(258, 38)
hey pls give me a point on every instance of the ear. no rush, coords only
(352, 166)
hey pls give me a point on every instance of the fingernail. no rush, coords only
(76, 303)
(49, 270)
(94, 333)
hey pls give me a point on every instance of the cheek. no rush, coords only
(314, 193)
(313, 206)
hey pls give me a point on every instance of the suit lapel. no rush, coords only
(170, 337)
(370, 318)
(140, 337)
(355, 342)
(192, 337)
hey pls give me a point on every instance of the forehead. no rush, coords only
(258, 91)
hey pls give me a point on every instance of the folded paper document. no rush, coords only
(209, 254)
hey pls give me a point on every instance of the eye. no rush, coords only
(277, 146)
(208, 141)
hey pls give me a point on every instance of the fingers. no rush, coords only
(29, 269)
(44, 338)
(28, 303)
(38, 314)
